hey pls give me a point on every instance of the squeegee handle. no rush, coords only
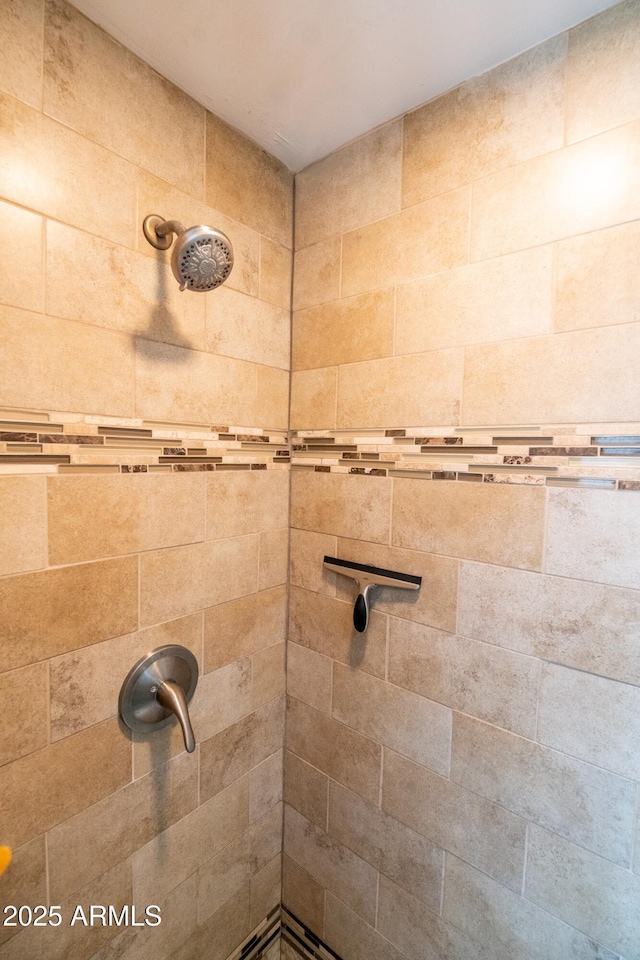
(361, 613)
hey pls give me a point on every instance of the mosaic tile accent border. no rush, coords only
(602, 456)
(259, 945)
(302, 940)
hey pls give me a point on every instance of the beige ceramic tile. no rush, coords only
(404, 921)
(411, 725)
(302, 895)
(597, 897)
(574, 799)
(352, 937)
(247, 328)
(48, 613)
(305, 565)
(230, 754)
(23, 528)
(589, 626)
(26, 881)
(354, 185)
(91, 517)
(21, 277)
(306, 789)
(407, 390)
(603, 72)
(539, 381)
(590, 717)
(108, 285)
(309, 677)
(58, 781)
(593, 536)
(21, 68)
(275, 273)
(266, 894)
(331, 864)
(314, 397)
(51, 169)
(494, 300)
(265, 786)
(359, 328)
(509, 114)
(461, 519)
(242, 627)
(241, 502)
(433, 604)
(325, 625)
(424, 239)
(95, 840)
(483, 834)
(274, 557)
(316, 274)
(584, 187)
(341, 753)
(393, 849)
(222, 933)
(68, 366)
(272, 398)
(247, 183)
(185, 385)
(357, 507)
(103, 91)
(268, 674)
(476, 678)
(23, 694)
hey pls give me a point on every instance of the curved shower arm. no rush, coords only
(168, 227)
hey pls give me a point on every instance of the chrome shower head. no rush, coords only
(202, 257)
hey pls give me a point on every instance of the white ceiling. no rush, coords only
(302, 77)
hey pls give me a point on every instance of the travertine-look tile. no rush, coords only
(23, 694)
(69, 177)
(309, 677)
(494, 121)
(584, 187)
(593, 537)
(597, 283)
(325, 625)
(272, 397)
(185, 385)
(222, 933)
(353, 937)
(477, 678)
(266, 894)
(422, 387)
(588, 806)
(314, 398)
(483, 834)
(589, 626)
(595, 896)
(345, 331)
(244, 626)
(268, 674)
(243, 501)
(482, 522)
(424, 239)
(393, 849)
(303, 895)
(341, 753)
(276, 269)
(316, 274)
(68, 366)
(592, 718)
(494, 300)
(91, 517)
(56, 782)
(357, 507)
(247, 328)
(88, 81)
(331, 864)
(48, 613)
(180, 580)
(26, 882)
(265, 786)
(603, 73)
(21, 68)
(21, 277)
(97, 839)
(305, 566)
(538, 381)
(274, 555)
(306, 789)
(23, 529)
(411, 725)
(247, 183)
(353, 186)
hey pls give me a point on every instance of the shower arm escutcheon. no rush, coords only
(159, 232)
(368, 580)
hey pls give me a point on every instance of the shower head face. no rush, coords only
(202, 258)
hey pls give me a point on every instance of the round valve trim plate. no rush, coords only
(138, 706)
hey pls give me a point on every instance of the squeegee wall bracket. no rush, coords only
(369, 579)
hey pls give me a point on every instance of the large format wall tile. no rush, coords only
(353, 937)
(23, 694)
(23, 532)
(342, 505)
(316, 274)
(303, 895)
(358, 328)
(247, 328)
(21, 278)
(314, 398)
(306, 789)
(241, 502)
(21, 67)
(244, 626)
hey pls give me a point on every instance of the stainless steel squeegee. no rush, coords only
(368, 579)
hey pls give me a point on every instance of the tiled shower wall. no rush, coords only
(132, 416)
(462, 781)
